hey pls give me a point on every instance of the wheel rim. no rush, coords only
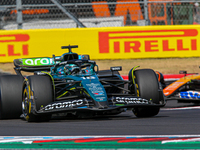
(25, 103)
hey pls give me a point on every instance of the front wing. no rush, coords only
(86, 105)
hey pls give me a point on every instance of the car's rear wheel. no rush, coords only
(37, 93)
(147, 87)
(10, 96)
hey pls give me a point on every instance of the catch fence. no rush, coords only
(44, 14)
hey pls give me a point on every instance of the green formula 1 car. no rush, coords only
(73, 85)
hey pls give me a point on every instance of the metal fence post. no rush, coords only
(62, 8)
(19, 14)
(146, 13)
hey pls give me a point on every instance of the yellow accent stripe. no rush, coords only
(29, 88)
(86, 93)
(62, 94)
(133, 74)
(25, 91)
(29, 107)
(65, 93)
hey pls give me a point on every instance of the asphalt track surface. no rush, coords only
(173, 119)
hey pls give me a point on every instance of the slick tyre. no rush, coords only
(10, 96)
(147, 87)
(37, 92)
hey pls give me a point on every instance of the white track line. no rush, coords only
(182, 108)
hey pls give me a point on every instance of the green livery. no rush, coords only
(72, 84)
(43, 61)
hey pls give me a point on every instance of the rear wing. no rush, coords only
(34, 64)
(40, 63)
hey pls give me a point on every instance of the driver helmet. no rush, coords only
(69, 69)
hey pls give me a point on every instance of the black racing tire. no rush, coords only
(10, 96)
(148, 88)
(42, 89)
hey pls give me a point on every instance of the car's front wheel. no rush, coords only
(147, 87)
(37, 93)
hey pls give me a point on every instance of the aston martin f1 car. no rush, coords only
(73, 85)
(185, 89)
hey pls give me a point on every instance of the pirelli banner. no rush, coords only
(103, 43)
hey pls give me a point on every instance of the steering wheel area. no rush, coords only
(74, 71)
(72, 67)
